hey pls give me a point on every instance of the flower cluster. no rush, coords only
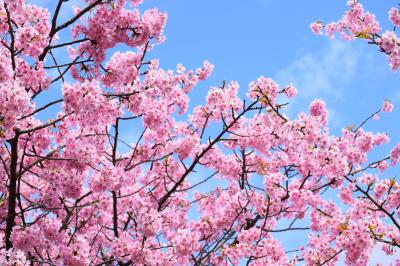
(123, 173)
(358, 23)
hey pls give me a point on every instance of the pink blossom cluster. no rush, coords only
(290, 91)
(358, 23)
(390, 44)
(115, 24)
(387, 107)
(31, 36)
(216, 185)
(83, 100)
(318, 109)
(264, 87)
(354, 22)
(14, 102)
(394, 16)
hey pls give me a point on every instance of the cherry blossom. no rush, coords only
(359, 23)
(216, 184)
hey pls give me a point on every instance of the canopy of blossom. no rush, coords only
(70, 195)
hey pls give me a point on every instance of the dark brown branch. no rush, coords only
(331, 258)
(51, 123)
(68, 64)
(41, 159)
(68, 43)
(366, 120)
(274, 108)
(379, 206)
(55, 29)
(12, 191)
(11, 32)
(65, 71)
(199, 156)
(55, 16)
(41, 109)
(77, 16)
(115, 214)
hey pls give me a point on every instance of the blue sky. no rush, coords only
(246, 39)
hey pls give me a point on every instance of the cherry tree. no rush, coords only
(73, 192)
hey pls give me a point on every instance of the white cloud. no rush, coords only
(322, 73)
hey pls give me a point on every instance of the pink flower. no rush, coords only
(317, 108)
(114, 173)
(395, 154)
(5, 72)
(387, 107)
(263, 87)
(316, 27)
(290, 91)
(206, 71)
(394, 16)
(382, 166)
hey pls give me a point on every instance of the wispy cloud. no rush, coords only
(378, 256)
(324, 73)
(264, 2)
